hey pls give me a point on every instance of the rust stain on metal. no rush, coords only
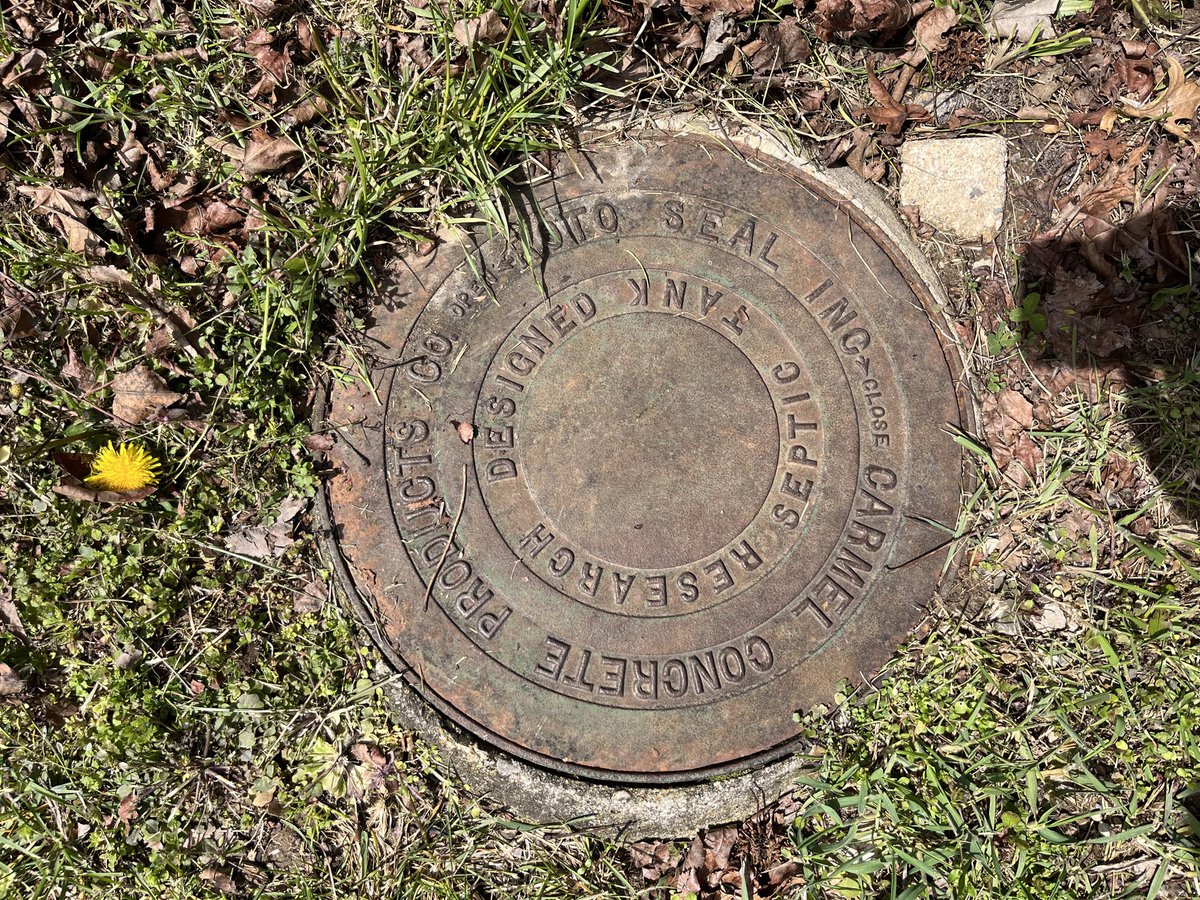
(702, 415)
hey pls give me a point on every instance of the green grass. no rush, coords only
(188, 726)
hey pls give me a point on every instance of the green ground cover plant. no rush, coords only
(198, 200)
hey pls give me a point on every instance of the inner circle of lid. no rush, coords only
(649, 439)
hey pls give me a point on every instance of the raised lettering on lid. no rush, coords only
(710, 473)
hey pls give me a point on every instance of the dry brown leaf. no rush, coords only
(778, 874)
(27, 70)
(251, 542)
(1136, 76)
(318, 443)
(271, 155)
(127, 808)
(373, 773)
(706, 865)
(706, 10)
(1007, 419)
(260, 542)
(263, 155)
(1175, 106)
(1026, 452)
(1104, 148)
(196, 216)
(847, 18)
(16, 322)
(74, 489)
(1013, 405)
(654, 858)
(74, 369)
(271, 61)
(311, 599)
(485, 29)
(783, 44)
(219, 215)
(715, 43)
(931, 28)
(304, 112)
(218, 880)
(1021, 19)
(67, 209)
(413, 54)
(10, 682)
(309, 40)
(889, 113)
(718, 845)
(77, 465)
(1077, 523)
(264, 9)
(7, 108)
(111, 276)
(10, 619)
(139, 395)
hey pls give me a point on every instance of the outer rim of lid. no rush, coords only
(659, 804)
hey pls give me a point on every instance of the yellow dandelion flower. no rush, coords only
(124, 468)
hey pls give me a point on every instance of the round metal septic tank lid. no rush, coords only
(637, 482)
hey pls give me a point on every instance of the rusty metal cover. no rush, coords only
(635, 484)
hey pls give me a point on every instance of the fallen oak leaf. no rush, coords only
(139, 395)
(715, 43)
(27, 70)
(263, 155)
(260, 542)
(889, 113)
(307, 110)
(271, 61)
(250, 542)
(127, 809)
(218, 880)
(782, 44)
(319, 442)
(848, 18)
(75, 369)
(1026, 452)
(485, 29)
(10, 682)
(718, 845)
(16, 322)
(931, 29)
(10, 618)
(311, 599)
(67, 210)
(271, 155)
(194, 216)
(1136, 76)
(654, 858)
(1176, 106)
(707, 10)
(264, 9)
(1014, 405)
(775, 876)
(310, 40)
